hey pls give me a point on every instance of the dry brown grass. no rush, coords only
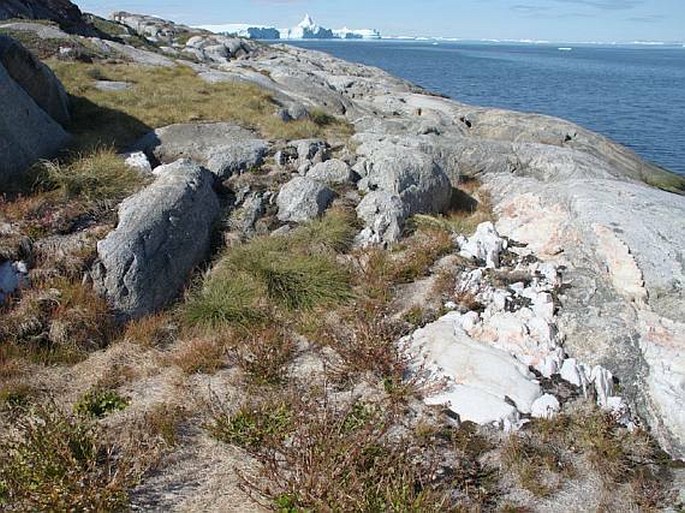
(62, 321)
(201, 354)
(365, 337)
(618, 456)
(154, 330)
(263, 354)
(162, 96)
(162, 422)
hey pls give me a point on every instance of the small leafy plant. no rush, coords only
(100, 402)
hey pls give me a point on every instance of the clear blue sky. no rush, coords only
(555, 20)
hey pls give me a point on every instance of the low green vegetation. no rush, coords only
(52, 461)
(254, 426)
(283, 273)
(99, 402)
(665, 180)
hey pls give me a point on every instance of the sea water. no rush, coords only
(634, 95)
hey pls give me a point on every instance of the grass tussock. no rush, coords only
(98, 176)
(163, 96)
(53, 461)
(286, 274)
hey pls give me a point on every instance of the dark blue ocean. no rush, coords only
(633, 94)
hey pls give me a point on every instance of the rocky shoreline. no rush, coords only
(575, 290)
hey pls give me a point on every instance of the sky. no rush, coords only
(552, 20)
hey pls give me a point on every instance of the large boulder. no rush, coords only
(27, 132)
(222, 148)
(412, 174)
(35, 78)
(621, 244)
(163, 233)
(302, 199)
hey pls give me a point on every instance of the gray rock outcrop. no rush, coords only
(223, 148)
(383, 214)
(331, 172)
(35, 78)
(27, 132)
(163, 233)
(63, 12)
(302, 199)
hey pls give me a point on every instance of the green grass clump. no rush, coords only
(225, 299)
(253, 425)
(99, 402)
(333, 232)
(52, 461)
(100, 176)
(293, 280)
(292, 273)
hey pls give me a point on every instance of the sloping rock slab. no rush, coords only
(163, 232)
(27, 132)
(35, 78)
(222, 148)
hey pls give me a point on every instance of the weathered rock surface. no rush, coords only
(302, 199)
(35, 78)
(151, 27)
(383, 214)
(331, 172)
(482, 382)
(217, 49)
(163, 232)
(65, 13)
(488, 355)
(13, 275)
(27, 132)
(622, 245)
(392, 165)
(222, 148)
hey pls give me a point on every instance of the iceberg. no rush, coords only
(244, 30)
(306, 29)
(346, 33)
